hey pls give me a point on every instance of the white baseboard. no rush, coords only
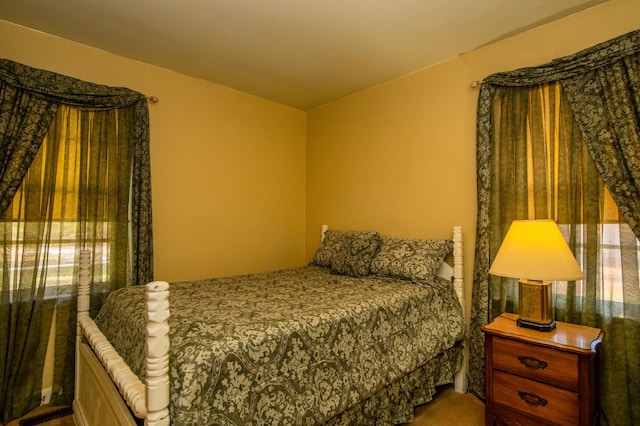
(46, 396)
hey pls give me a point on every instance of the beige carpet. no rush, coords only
(42, 416)
(448, 408)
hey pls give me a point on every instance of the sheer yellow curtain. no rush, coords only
(42, 215)
(32, 274)
(75, 196)
(543, 170)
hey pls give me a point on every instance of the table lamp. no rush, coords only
(535, 252)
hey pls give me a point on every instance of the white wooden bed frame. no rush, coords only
(107, 392)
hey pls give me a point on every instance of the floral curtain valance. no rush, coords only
(578, 64)
(61, 89)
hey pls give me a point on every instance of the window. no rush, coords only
(617, 245)
(60, 256)
(74, 196)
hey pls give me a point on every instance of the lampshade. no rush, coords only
(535, 250)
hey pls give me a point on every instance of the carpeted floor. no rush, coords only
(47, 416)
(448, 408)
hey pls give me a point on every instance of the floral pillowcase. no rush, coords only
(348, 252)
(360, 253)
(416, 260)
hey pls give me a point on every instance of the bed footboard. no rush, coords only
(97, 402)
(102, 377)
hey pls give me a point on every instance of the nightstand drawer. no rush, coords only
(536, 362)
(555, 405)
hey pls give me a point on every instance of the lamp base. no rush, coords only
(536, 305)
(536, 325)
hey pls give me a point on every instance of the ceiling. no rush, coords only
(301, 53)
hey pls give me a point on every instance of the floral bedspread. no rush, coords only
(293, 347)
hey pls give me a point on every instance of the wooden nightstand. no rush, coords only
(541, 378)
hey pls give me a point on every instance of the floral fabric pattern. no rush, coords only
(336, 244)
(415, 260)
(355, 253)
(298, 346)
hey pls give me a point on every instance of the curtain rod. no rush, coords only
(476, 83)
(153, 99)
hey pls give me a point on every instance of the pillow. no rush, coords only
(330, 244)
(410, 259)
(347, 252)
(355, 255)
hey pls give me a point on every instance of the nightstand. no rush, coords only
(541, 378)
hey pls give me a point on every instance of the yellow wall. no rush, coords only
(228, 169)
(399, 158)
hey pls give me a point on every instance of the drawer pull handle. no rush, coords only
(532, 362)
(532, 399)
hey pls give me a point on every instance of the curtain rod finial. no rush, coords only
(153, 99)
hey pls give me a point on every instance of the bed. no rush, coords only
(361, 335)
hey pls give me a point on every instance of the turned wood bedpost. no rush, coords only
(458, 270)
(324, 230)
(83, 299)
(157, 354)
(84, 287)
(460, 379)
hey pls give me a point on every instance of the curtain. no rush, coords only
(24, 120)
(89, 128)
(573, 120)
(62, 90)
(606, 104)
